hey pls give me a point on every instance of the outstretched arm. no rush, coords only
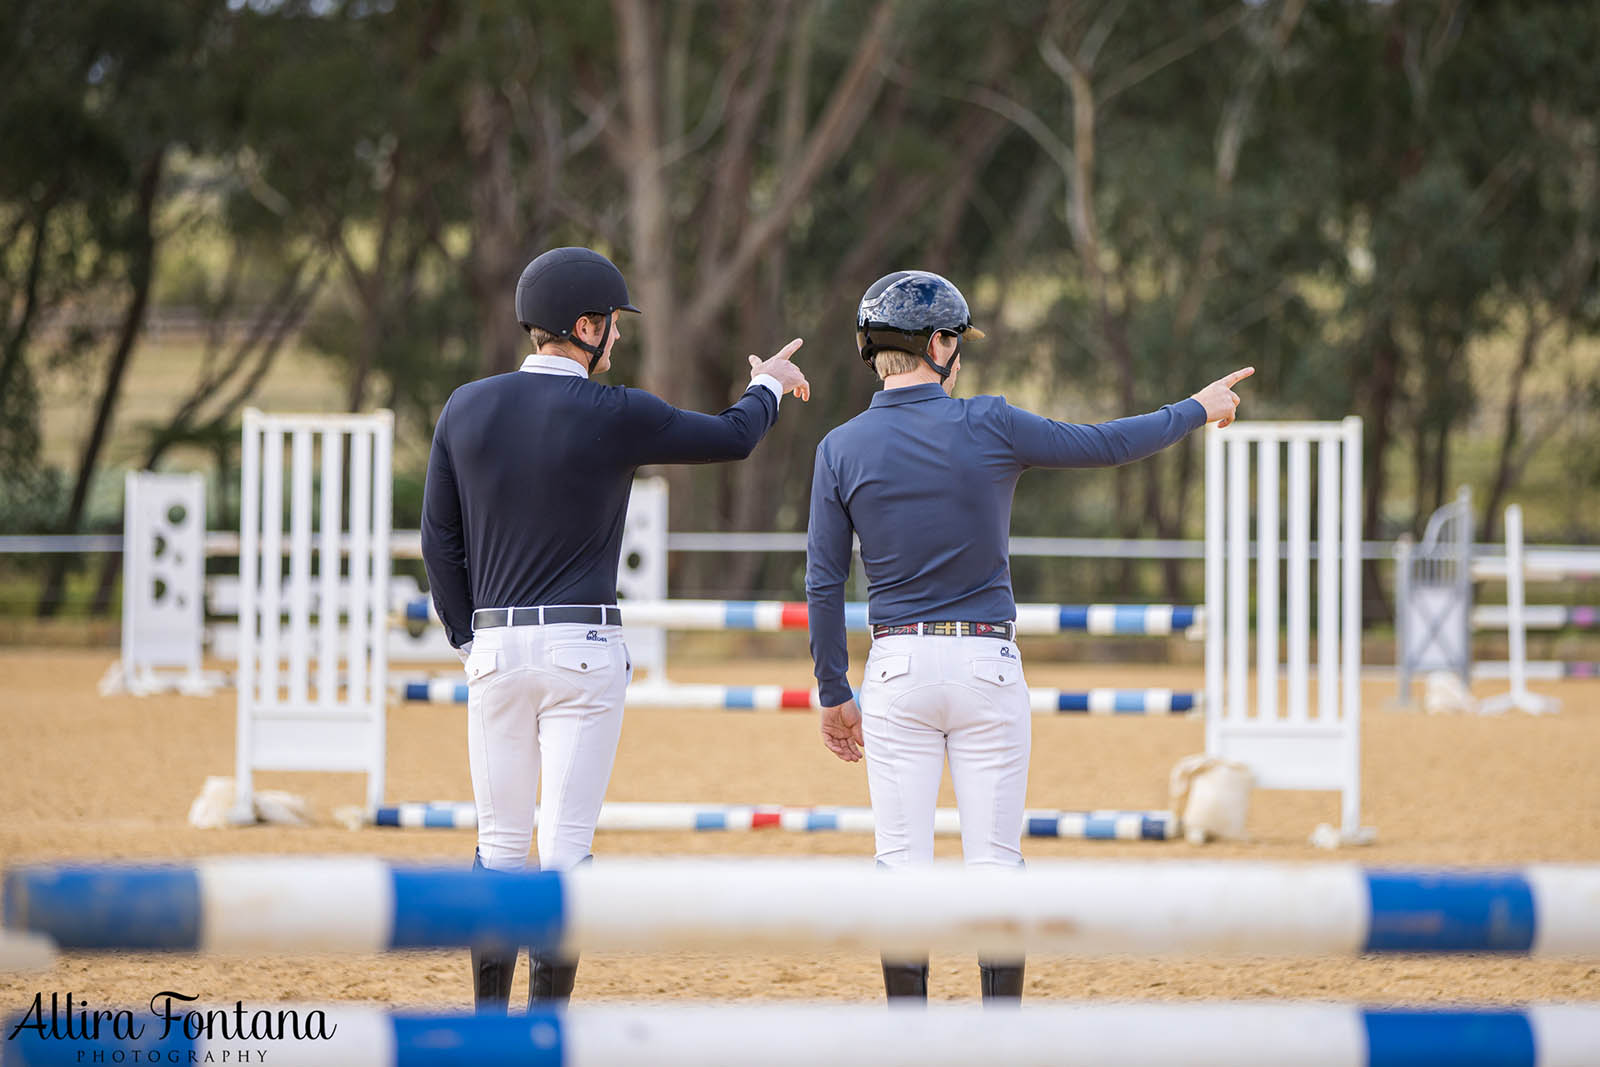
(1042, 442)
(661, 433)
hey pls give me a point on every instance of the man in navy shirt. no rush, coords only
(926, 482)
(527, 490)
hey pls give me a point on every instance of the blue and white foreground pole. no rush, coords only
(1089, 1034)
(366, 905)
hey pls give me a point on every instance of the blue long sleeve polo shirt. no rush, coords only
(926, 482)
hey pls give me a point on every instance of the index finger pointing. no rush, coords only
(789, 349)
(1238, 376)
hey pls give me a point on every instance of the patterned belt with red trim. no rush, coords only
(1004, 631)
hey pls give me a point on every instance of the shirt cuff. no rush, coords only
(1197, 413)
(832, 693)
(771, 383)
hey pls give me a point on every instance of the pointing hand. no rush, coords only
(1219, 399)
(782, 368)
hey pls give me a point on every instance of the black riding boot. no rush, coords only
(905, 981)
(550, 979)
(491, 975)
(491, 970)
(1001, 981)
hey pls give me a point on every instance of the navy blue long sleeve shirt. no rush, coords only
(926, 481)
(528, 485)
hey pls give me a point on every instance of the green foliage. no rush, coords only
(1356, 198)
(96, 93)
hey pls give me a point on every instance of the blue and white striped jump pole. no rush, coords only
(1043, 701)
(625, 816)
(366, 905)
(1081, 1034)
(775, 615)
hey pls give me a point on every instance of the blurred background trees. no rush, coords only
(1388, 208)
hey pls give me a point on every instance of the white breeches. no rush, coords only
(544, 703)
(924, 699)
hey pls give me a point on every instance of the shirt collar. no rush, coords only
(909, 394)
(539, 363)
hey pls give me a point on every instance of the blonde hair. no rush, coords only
(887, 361)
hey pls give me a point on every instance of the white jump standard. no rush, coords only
(163, 611)
(312, 696)
(1303, 744)
(1435, 616)
(235, 905)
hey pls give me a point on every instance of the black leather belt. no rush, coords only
(1004, 631)
(484, 618)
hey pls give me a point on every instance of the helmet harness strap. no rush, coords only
(944, 371)
(595, 351)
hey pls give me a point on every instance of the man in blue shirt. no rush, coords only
(926, 482)
(527, 490)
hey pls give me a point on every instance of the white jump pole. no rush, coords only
(1083, 1034)
(236, 905)
(1070, 1034)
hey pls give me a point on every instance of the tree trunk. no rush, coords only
(496, 254)
(19, 426)
(1419, 470)
(753, 486)
(17, 336)
(1441, 463)
(1172, 569)
(1382, 386)
(373, 287)
(648, 223)
(268, 333)
(1511, 434)
(846, 109)
(141, 269)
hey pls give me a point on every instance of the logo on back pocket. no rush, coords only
(594, 635)
(1005, 650)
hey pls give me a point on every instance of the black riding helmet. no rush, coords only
(905, 309)
(564, 284)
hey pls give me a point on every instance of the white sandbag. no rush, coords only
(1444, 693)
(1211, 797)
(213, 808)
